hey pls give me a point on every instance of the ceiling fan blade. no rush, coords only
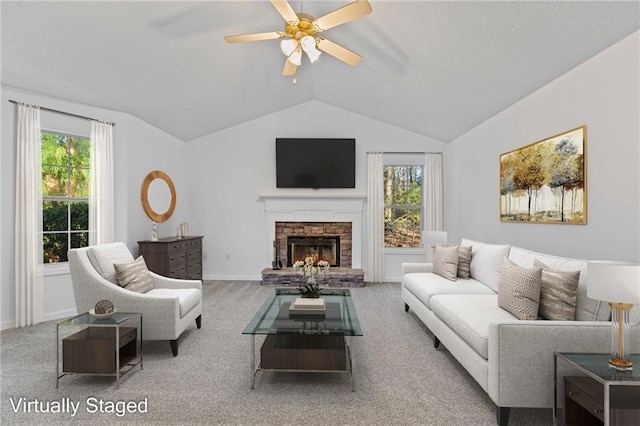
(285, 10)
(342, 53)
(289, 68)
(241, 38)
(355, 10)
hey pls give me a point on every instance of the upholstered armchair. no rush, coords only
(167, 309)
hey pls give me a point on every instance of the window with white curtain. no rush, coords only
(65, 194)
(403, 200)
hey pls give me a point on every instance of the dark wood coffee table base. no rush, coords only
(304, 353)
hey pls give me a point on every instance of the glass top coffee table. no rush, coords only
(311, 343)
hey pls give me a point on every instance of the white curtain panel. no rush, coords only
(433, 192)
(29, 277)
(375, 218)
(101, 203)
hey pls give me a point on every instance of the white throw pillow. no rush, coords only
(487, 261)
(134, 276)
(445, 261)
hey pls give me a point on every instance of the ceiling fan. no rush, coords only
(300, 32)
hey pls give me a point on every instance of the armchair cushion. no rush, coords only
(134, 276)
(103, 257)
(188, 298)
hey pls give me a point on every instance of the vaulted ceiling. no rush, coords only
(435, 68)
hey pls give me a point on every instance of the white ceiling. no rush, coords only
(436, 68)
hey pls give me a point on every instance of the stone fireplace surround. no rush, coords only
(300, 208)
(315, 229)
(288, 209)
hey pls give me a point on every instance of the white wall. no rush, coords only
(138, 149)
(230, 169)
(604, 94)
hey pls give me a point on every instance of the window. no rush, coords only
(402, 206)
(65, 194)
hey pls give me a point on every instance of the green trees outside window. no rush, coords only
(403, 206)
(65, 194)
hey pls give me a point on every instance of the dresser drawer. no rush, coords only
(580, 390)
(175, 246)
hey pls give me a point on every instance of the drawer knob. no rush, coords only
(572, 393)
(596, 411)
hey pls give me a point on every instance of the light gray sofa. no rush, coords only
(511, 359)
(167, 309)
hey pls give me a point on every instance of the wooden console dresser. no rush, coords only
(174, 257)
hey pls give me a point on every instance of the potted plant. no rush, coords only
(310, 270)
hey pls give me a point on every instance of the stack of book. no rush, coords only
(308, 306)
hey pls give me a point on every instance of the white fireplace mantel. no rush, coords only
(320, 208)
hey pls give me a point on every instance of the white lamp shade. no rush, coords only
(309, 45)
(288, 46)
(296, 56)
(616, 282)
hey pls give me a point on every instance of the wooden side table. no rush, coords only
(102, 346)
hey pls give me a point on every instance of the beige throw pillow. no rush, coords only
(134, 276)
(445, 261)
(519, 290)
(464, 262)
(559, 293)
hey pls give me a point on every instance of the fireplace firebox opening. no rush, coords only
(319, 248)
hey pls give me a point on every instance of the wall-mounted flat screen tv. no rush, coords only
(315, 163)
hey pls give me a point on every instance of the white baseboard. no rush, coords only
(259, 278)
(59, 315)
(233, 277)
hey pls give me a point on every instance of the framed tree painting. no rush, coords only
(545, 182)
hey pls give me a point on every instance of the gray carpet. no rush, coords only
(401, 378)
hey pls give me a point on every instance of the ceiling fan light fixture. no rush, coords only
(288, 46)
(301, 30)
(296, 56)
(309, 46)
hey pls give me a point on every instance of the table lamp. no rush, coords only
(619, 284)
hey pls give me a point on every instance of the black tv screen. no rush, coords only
(315, 163)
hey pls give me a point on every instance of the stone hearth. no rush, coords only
(335, 277)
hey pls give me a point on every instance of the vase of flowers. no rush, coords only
(310, 269)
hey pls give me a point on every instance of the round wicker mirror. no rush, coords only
(157, 193)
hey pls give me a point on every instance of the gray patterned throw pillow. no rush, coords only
(134, 276)
(519, 290)
(464, 262)
(445, 261)
(559, 293)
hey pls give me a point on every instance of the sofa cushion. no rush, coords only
(445, 261)
(558, 293)
(486, 261)
(134, 276)
(188, 297)
(469, 316)
(586, 309)
(103, 256)
(464, 262)
(519, 290)
(424, 285)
